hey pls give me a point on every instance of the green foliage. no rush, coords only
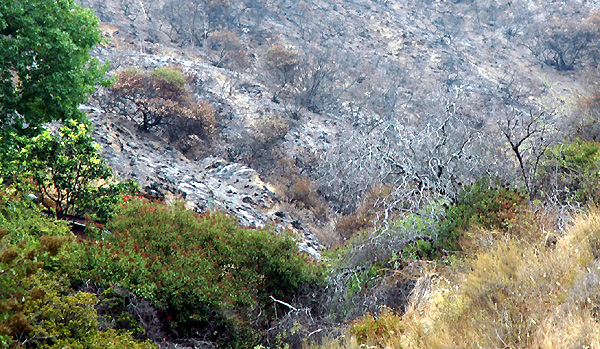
(45, 71)
(64, 317)
(102, 340)
(376, 329)
(17, 263)
(23, 220)
(70, 175)
(572, 172)
(420, 230)
(70, 320)
(419, 250)
(36, 309)
(206, 272)
(410, 236)
(113, 307)
(170, 76)
(485, 203)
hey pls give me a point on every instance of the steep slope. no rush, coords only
(212, 184)
(358, 68)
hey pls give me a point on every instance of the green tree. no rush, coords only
(46, 70)
(70, 174)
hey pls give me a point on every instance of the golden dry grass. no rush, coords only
(514, 293)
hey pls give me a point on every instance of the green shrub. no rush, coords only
(59, 321)
(571, 172)
(23, 220)
(102, 340)
(206, 272)
(485, 203)
(17, 264)
(170, 76)
(36, 308)
(419, 250)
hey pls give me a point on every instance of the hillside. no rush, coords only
(303, 174)
(408, 66)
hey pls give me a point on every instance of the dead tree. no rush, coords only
(529, 134)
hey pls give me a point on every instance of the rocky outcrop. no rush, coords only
(209, 184)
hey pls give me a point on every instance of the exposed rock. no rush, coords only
(210, 184)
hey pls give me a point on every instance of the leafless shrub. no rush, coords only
(292, 327)
(354, 291)
(315, 79)
(419, 161)
(585, 120)
(528, 129)
(185, 22)
(529, 134)
(364, 217)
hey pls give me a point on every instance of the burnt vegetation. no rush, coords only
(439, 149)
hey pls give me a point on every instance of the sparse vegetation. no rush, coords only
(565, 44)
(283, 63)
(227, 48)
(434, 146)
(518, 293)
(161, 99)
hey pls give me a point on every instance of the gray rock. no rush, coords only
(210, 184)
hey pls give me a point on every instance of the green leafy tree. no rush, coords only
(46, 70)
(71, 176)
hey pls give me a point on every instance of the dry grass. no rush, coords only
(515, 293)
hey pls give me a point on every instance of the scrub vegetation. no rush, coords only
(456, 212)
